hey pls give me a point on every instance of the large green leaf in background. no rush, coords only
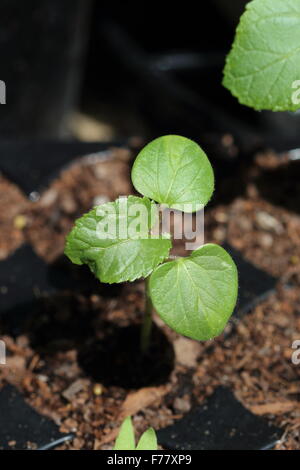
(196, 295)
(95, 240)
(174, 171)
(264, 61)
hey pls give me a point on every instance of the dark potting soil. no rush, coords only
(23, 280)
(42, 161)
(254, 363)
(45, 221)
(254, 284)
(116, 361)
(21, 426)
(53, 362)
(221, 422)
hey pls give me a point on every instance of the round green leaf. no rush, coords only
(114, 240)
(174, 171)
(263, 67)
(196, 295)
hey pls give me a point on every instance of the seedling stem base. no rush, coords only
(147, 321)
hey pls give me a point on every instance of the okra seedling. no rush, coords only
(263, 67)
(126, 440)
(194, 295)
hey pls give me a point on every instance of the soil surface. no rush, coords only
(77, 361)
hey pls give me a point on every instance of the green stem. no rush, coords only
(147, 321)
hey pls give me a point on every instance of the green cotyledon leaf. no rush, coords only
(148, 440)
(196, 295)
(113, 240)
(125, 439)
(263, 67)
(174, 171)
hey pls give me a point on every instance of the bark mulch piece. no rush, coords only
(221, 423)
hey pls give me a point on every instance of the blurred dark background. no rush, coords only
(105, 71)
